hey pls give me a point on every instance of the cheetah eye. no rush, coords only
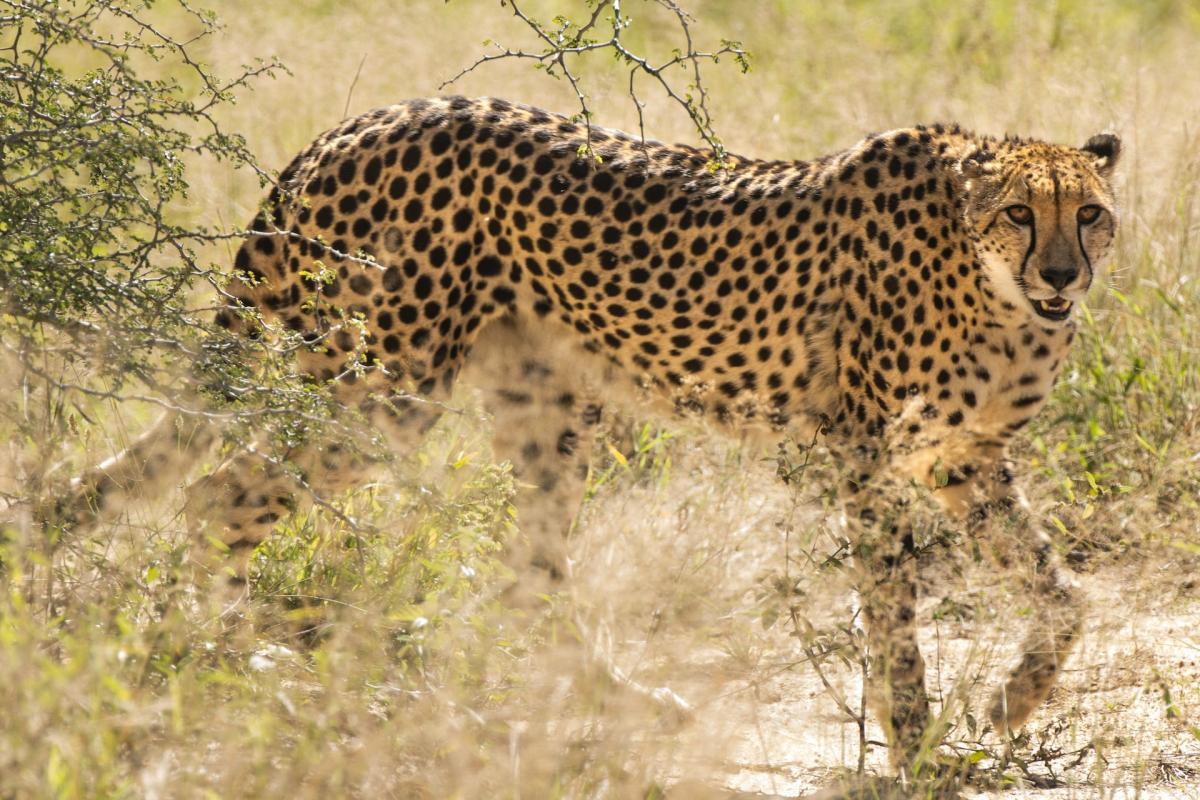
(1088, 214)
(1022, 215)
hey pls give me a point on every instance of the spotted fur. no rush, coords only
(910, 297)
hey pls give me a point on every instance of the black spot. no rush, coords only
(412, 157)
(440, 143)
(462, 219)
(392, 279)
(440, 199)
(568, 441)
(372, 170)
(414, 210)
(379, 210)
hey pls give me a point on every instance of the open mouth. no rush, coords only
(1056, 308)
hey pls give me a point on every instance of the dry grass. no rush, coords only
(121, 682)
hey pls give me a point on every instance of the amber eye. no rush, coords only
(1022, 215)
(1088, 214)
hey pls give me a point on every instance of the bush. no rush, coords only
(115, 662)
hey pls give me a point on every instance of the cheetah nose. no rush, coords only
(1058, 277)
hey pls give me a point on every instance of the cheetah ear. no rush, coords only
(978, 163)
(1106, 148)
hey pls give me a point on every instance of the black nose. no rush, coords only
(1058, 277)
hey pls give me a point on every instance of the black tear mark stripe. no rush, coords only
(1030, 249)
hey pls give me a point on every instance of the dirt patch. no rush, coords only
(678, 573)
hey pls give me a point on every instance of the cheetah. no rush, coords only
(909, 299)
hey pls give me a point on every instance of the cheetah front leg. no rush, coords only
(989, 493)
(887, 587)
(896, 669)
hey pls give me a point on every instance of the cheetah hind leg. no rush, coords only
(232, 510)
(545, 421)
(161, 456)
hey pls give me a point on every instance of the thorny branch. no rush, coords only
(97, 273)
(564, 40)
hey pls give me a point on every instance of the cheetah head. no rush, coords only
(1043, 217)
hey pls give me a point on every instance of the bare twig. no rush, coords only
(353, 83)
(564, 41)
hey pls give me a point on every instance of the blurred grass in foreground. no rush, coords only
(413, 678)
